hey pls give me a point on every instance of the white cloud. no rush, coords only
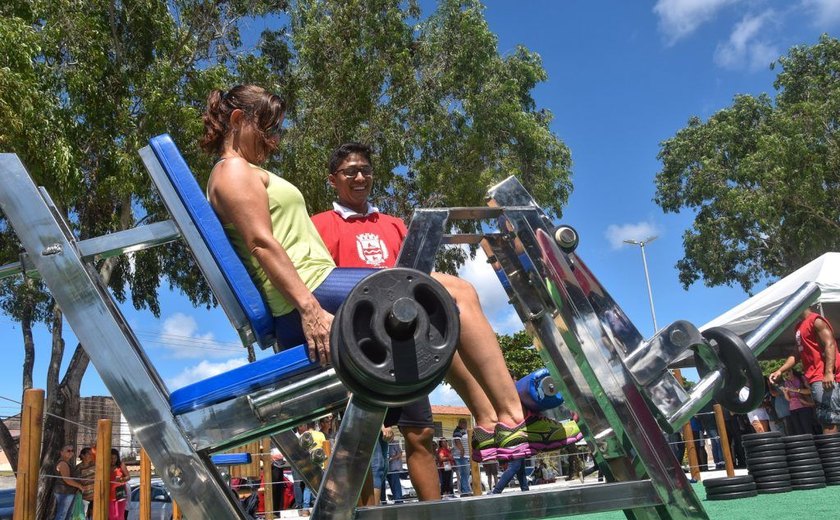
(617, 234)
(202, 371)
(826, 13)
(180, 335)
(745, 47)
(679, 18)
(445, 395)
(490, 292)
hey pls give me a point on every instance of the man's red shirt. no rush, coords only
(371, 240)
(811, 350)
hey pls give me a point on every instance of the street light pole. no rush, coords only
(641, 244)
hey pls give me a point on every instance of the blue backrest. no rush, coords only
(201, 229)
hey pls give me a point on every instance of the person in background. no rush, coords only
(318, 439)
(462, 461)
(710, 431)
(395, 469)
(379, 464)
(491, 469)
(781, 406)
(66, 486)
(118, 494)
(516, 468)
(447, 463)
(817, 349)
(801, 405)
(87, 471)
(699, 443)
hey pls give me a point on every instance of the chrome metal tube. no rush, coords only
(783, 317)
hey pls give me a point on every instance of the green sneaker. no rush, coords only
(483, 445)
(512, 442)
(546, 434)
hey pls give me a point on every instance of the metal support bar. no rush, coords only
(112, 347)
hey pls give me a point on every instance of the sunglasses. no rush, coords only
(352, 171)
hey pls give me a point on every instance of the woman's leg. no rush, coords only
(480, 352)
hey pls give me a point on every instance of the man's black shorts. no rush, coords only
(413, 415)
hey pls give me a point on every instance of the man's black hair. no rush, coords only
(84, 452)
(346, 149)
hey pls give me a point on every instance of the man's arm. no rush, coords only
(829, 345)
(788, 364)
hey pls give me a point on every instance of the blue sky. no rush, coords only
(623, 76)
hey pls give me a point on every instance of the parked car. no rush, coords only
(7, 503)
(161, 502)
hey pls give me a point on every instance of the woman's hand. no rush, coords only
(316, 324)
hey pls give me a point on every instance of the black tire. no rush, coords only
(770, 484)
(795, 438)
(770, 474)
(732, 496)
(805, 450)
(762, 442)
(731, 488)
(811, 474)
(804, 463)
(808, 486)
(775, 459)
(767, 453)
(762, 435)
(727, 481)
(807, 481)
(780, 489)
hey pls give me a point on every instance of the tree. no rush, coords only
(520, 356)
(761, 176)
(83, 88)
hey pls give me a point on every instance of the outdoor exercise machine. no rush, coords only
(393, 340)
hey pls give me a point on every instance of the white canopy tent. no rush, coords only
(744, 318)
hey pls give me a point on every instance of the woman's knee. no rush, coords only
(461, 290)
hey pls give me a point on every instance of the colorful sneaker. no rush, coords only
(546, 434)
(512, 441)
(483, 445)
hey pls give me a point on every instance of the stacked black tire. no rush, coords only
(828, 447)
(804, 464)
(729, 488)
(767, 462)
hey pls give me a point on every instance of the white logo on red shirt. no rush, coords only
(372, 249)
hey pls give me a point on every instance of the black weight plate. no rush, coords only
(763, 435)
(769, 473)
(761, 448)
(832, 456)
(833, 459)
(732, 496)
(740, 369)
(727, 481)
(832, 475)
(731, 488)
(770, 491)
(827, 442)
(795, 438)
(827, 437)
(762, 467)
(831, 468)
(808, 486)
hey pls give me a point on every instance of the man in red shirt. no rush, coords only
(358, 235)
(817, 349)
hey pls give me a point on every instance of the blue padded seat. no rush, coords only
(253, 376)
(211, 231)
(230, 459)
(241, 381)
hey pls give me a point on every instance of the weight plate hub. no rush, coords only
(395, 336)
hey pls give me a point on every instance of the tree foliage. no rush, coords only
(83, 85)
(520, 356)
(762, 176)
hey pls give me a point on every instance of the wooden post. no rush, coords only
(29, 454)
(145, 486)
(176, 511)
(724, 441)
(366, 497)
(475, 470)
(268, 487)
(102, 478)
(688, 439)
